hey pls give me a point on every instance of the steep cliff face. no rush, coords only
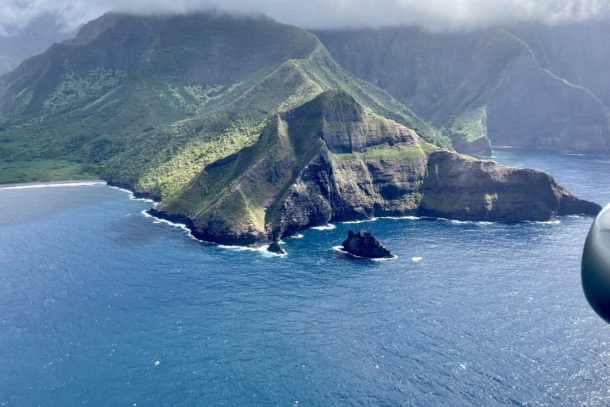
(308, 166)
(465, 189)
(525, 86)
(577, 52)
(331, 159)
(531, 107)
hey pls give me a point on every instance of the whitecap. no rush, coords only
(546, 222)
(55, 185)
(465, 222)
(458, 222)
(181, 226)
(408, 217)
(339, 249)
(133, 197)
(296, 236)
(146, 214)
(262, 249)
(384, 259)
(416, 259)
(328, 226)
(355, 222)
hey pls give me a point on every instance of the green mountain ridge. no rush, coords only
(331, 159)
(247, 130)
(147, 101)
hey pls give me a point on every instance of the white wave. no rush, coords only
(355, 222)
(55, 185)
(133, 197)
(408, 217)
(464, 222)
(328, 226)
(457, 222)
(181, 226)
(296, 236)
(339, 249)
(119, 189)
(262, 249)
(546, 222)
(146, 214)
(416, 259)
(384, 259)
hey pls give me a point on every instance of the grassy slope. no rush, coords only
(150, 101)
(246, 189)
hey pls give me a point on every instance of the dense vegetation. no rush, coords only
(147, 101)
(247, 129)
(332, 159)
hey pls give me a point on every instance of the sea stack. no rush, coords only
(276, 248)
(363, 244)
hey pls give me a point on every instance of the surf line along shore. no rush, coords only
(53, 184)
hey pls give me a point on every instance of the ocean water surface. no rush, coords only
(100, 305)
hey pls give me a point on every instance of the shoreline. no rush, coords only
(53, 184)
(186, 225)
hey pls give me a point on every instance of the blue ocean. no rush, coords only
(103, 306)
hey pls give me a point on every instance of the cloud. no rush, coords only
(433, 14)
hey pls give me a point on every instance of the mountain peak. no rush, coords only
(333, 106)
(343, 124)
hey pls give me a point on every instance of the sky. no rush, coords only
(431, 14)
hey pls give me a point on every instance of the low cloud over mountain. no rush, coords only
(431, 14)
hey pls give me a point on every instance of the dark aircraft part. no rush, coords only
(596, 265)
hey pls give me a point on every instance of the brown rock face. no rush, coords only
(463, 189)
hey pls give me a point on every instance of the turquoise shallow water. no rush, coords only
(99, 305)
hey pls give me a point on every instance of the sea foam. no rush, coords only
(133, 197)
(181, 226)
(262, 249)
(355, 222)
(328, 226)
(55, 185)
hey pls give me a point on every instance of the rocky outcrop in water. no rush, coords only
(276, 248)
(333, 160)
(363, 244)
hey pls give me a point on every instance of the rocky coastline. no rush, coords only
(332, 160)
